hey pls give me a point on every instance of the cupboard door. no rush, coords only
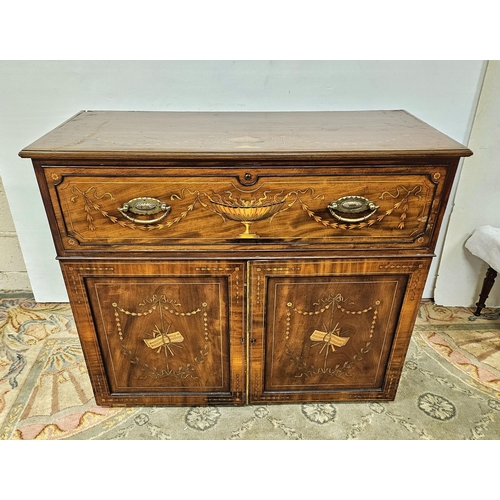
(161, 333)
(327, 330)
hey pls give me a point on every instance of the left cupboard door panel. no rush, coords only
(167, 333)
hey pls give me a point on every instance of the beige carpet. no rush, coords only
(450, 390)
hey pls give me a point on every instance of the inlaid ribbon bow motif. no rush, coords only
(161, 339)
(165, 340)
(331, 337)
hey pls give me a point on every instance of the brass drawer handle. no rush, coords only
(352, 205)
(144, 206)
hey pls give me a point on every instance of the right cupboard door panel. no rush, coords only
(326, 330)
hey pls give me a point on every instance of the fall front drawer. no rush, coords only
(99, 208)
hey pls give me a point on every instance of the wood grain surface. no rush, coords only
(356, 134)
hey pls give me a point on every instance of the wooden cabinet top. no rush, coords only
(110, 135)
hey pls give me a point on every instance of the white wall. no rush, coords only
(36, 96)
(13, 275)
(477, 203)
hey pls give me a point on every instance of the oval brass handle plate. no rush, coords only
(352, 205)
(144, 206)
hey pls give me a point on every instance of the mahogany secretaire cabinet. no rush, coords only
(255, 257)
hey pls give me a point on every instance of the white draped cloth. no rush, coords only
(485, 244)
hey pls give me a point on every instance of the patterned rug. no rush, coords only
(450, 389)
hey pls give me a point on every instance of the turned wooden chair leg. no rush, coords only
(489, 279)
